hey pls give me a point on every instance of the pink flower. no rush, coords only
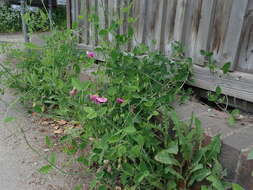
(93, 97)
(101, 100)
(90, 54)
(73, 92)
(120, 100)
(97, 99)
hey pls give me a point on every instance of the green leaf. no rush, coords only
(102, 187)
(215, 182)
(92, 115)
(237, 187)
(204, 187)
(250, 155)
(52, 158)
(48, 142)
(91, 112)
(76, 83)
(196, 168)
(172, 148)
(225, 68)
(165, 157)
(128, 169)
(103, 32)
(235, 112)
(83, 160)
(45, 169)
(199, 175)
(130, 130)
(218, 91)
(231, 120)
(213, 148)
(140, 177)
(173, 172)
(9, 119)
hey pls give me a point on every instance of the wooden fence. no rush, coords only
(224, 27)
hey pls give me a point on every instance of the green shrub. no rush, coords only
(10, 19)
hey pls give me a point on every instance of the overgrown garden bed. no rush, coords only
(134, 136)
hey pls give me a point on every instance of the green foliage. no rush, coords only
(10, 19)
(135, 138)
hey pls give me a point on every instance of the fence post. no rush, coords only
(24, 25)
(50, 6)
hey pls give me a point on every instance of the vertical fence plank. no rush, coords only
(219, 29)
(93, 30)
(204, 30)
(112, 15)
(103, 17)
(154, 19)
(245, 60)
(233, 36)
(85, 29)
(141, 21)
(169, 25)
(180, 20)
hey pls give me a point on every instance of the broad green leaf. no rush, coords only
(250, 155)
(225, 68)
(173, 172)
(92, 115)
(172, 148)
(237, 187)
(45, 169)
(130, 130)
(48, 142)
(196, 168)
(215, 182)
(91, 112)
(114, 139)
(9, 119)
(88, 109)
(199, 175)
(165, 157)
(76, 83)
(214, 148)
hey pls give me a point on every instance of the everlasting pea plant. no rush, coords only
(134, 138)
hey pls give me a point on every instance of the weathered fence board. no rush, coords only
(224, 27)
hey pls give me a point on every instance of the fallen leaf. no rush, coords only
(62, 122)
(59, 131)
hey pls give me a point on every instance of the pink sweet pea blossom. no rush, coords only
(101, 100)
(120, 100)
(97, 99)
(73, 92)
(90, 54)
(93, 97)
